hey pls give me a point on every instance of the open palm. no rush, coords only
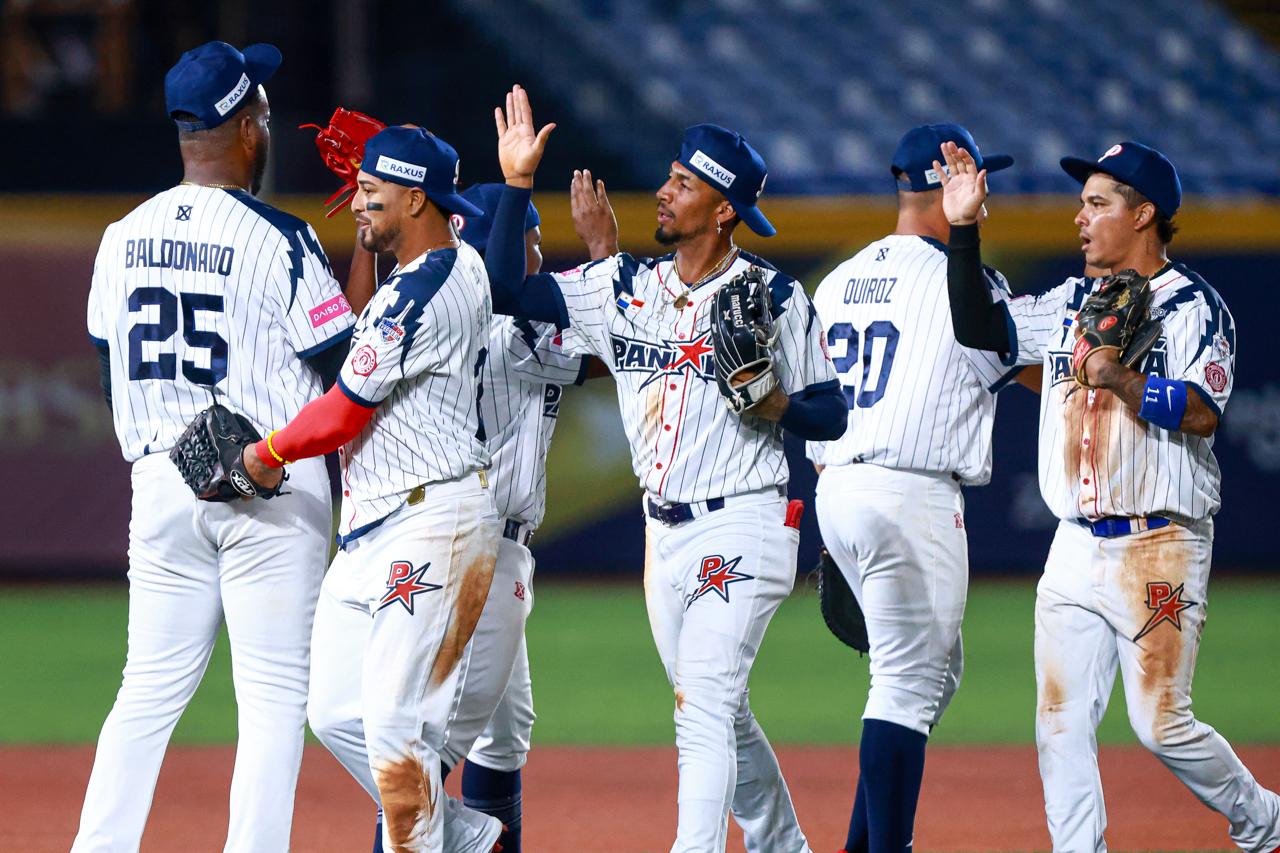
(964, 186)
(519, 146)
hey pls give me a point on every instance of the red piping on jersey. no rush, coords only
(323, 425)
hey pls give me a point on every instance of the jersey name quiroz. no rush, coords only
(685, 444)
(522, 384)
(416, 355)
(1099, 459)
(917, 399)
(206, 294)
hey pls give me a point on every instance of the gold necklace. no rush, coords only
(683, 299)
(214, 186)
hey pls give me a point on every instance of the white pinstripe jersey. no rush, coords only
(1099, 459)
(685, 444)
(201, 291)
(917, 399)
(417, 352)
(522, 379)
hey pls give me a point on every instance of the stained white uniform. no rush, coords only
(199, 294)
(1134, 601)
(712, 583)
(523, 380)
(889, 503)
(419, 538)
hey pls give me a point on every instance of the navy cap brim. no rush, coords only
(754, 219)
(1081, 169)
(996, 162)
(262, 61)
(455, 203)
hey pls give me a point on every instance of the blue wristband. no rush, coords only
(1164, 402)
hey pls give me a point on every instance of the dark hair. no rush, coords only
(1165, 229)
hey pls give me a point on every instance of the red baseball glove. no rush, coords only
(341, 147)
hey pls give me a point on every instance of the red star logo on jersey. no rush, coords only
(715, 576)
(403, 583)
(1167, 602)
(692, 353)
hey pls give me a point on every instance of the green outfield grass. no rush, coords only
(597, 679)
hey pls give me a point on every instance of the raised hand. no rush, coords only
(964, 189)
(593, 218)
(519, 146)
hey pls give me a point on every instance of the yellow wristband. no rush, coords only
(271, 449)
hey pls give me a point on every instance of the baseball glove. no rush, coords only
(210, 457)
(341, 147)
(742, 334)
(1117, 316)
(839, 607)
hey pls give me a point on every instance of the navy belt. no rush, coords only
(677, 513)
(517, 532)
(1115, 526)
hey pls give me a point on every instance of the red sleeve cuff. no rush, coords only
(323, 425)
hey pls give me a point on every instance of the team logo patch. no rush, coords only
(519, 590)
(404, 583)
(1222, 346)
(1215, 375)
(328, 310)
(1167, 604)
(691, 358)
(1111, 152)
(184, 213)
(715, 576)
(391, 331)
(365, 361)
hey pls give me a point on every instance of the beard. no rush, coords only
(377, 242)
(663, 237)
(259, 168)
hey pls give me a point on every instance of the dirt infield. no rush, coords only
(623, 801)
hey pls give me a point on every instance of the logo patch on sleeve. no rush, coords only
(365, 361)
(1215, 375)
(391, 331)
(328, 310)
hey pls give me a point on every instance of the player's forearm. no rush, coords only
(323, 425)
(531, 298)
(104, 370)
(1169, 403)
(978, 322)
(362, 280)
(817, 413)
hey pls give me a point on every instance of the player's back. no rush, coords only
(917, 400)
(205, 294)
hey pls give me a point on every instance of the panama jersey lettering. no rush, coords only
(210, 294)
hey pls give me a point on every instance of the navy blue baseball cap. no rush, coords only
(412, 157)
(475, 229)
(214, 80)
(1145, 169)
(922, 145)
(728, 163)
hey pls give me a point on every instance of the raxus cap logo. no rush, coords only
(400, 169)
(235, 96)
(714, 170)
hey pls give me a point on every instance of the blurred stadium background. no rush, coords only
(823, 89)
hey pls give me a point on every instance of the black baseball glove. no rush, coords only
(839, 607)
(210, 457)
(1117, 316)
(742, 334)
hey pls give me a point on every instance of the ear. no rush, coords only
(248, 138)
(1144, 215)
(725, 212)
(417, 201)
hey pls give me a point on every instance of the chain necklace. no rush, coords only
(214, 186)
(683, 298)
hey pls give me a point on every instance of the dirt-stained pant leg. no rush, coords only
(1161, 579)
(711, 587)
(424, 575)
(1075, 660)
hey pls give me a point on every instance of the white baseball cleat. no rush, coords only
(467, 830)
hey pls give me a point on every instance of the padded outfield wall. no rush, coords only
(67, 498)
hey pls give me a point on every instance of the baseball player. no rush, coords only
(920, 409)
(1126, 463)
(201, 294)
(720, 542)
(418, 532)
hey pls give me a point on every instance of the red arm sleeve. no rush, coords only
(323, 425)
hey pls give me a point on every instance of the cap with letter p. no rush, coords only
(412, 157)
(214, 80)
(730, 165)
(1143, 168)
(921, 146)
